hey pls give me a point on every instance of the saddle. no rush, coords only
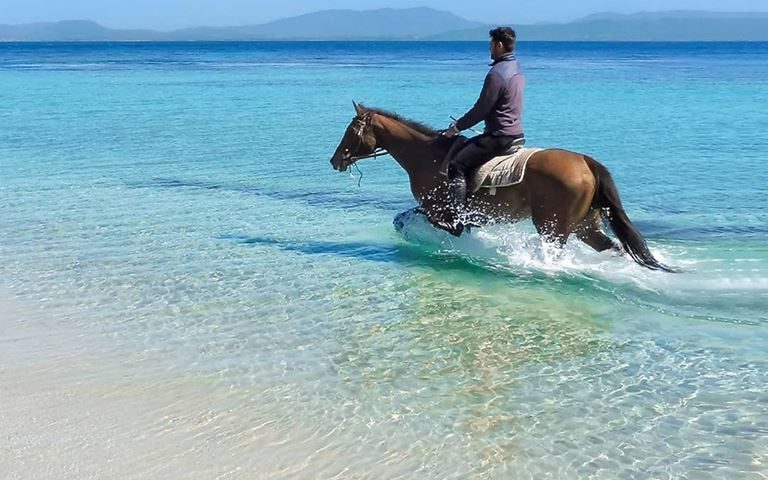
(503, 170)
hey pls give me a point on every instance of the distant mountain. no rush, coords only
(385, 23)
(407, 23)
(71, 31)
(643, 26)
(425, 24)
(684, 14)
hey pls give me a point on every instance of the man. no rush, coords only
(501, 106)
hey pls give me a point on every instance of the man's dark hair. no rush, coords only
(506, 36)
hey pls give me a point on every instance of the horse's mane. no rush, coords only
(418, 126)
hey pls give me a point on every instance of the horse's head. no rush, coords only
(358, 141)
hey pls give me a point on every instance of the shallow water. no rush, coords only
(177, 239)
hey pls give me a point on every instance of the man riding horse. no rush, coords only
(500, 105)
(563, 192)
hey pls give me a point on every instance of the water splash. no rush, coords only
(708, 288)
(518, 247)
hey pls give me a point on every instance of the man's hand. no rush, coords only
(451, 131)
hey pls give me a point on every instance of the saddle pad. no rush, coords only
(502, 171)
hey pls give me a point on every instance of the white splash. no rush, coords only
(519, 249)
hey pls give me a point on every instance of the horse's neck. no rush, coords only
(411, 149)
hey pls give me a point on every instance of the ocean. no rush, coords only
(189, 290)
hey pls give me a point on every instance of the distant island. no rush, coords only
(423, 24)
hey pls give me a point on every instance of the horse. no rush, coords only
(563, 192)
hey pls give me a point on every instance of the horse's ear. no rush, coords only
(358, 109)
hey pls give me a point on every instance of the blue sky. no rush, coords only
(170, 14)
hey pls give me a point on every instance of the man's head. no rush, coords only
(503, 41)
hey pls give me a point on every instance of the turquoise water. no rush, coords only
(178, 199)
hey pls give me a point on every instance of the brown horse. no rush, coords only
(564, 192)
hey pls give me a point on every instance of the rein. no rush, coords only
(376, 153)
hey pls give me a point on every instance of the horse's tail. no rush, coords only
(608, 201)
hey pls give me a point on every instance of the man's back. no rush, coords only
(500, 103)
(506, 116)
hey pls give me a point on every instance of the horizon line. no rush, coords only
(533, 24)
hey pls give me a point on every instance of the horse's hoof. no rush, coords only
(455, 229)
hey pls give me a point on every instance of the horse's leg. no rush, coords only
(589, 232)
(439, 213)
(553, 225)
(555, 211)
(560, 190)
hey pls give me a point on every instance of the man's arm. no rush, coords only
(488, 96)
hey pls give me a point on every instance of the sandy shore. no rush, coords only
(74, 407)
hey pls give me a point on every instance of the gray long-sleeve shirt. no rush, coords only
(501, 100)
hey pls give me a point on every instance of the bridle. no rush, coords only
(358, 129)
